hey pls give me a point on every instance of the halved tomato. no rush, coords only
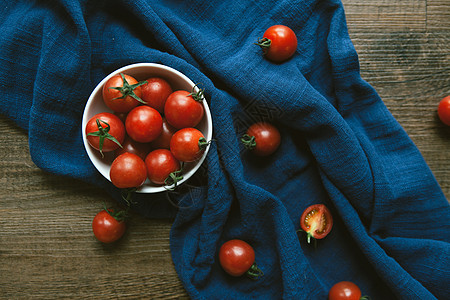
(316, 221)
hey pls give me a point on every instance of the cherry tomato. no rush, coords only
(444, 110)
(237, 258)
(163, 140)
(316, 221)
(122, 116)
(128, 171)
(131, 146)
(143, 124)
(279, 43)
(107, 228)
(188, 144)
(184, 109)
(122, 93)
(262, 138)
(105, 132)
(155, 93)
(160, 165)
(345, 290)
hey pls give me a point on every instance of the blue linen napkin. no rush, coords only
(340, 145)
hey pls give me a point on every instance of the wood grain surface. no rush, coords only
(47, 249)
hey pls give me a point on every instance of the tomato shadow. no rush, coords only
(117, 246)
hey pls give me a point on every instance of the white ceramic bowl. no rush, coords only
(142, 71)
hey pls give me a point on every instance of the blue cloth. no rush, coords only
(340, 145)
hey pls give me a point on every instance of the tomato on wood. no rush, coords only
(155, 93)
(188, 144)
(128, 171)
(163, 167)
(143, 124)
(316, 221)
(444, 110)
(345, 290)
(109, 226)
(122, 92)
(184, 109)
(105, 132)
(238, 258)
(131, 146)
(262, 139)
(278, 43)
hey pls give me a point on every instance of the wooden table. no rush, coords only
(47, 249)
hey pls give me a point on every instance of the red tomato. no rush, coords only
(188, 144)
(237, 258)
(444, 110)
(345, 290)
(163, 140)
(262, 138)
(131, 146)
(184, 109)
(105, 132)
(143, 124)
(128, 171)
(107, 228)
(155, 93)
(122, 116)
(122, 93)
(279, 43)
(160, 165)
(316, 221)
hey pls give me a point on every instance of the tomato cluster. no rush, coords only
(262, 138)
(152, 130)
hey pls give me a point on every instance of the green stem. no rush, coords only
(172, 180)
(309, 236)
(120, 215)
(127, 195)
(248, 141)
(254, 272)
(203, 143)
(264, 43)
(197, 96)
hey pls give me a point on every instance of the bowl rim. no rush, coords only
(85, 118)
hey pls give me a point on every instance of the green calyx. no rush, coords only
(248, 141)
(172, 180)
(103, 133)
(128, 89)
(119, 215)
(254, 272)
(197, 96)
(264, 43)
(203, 143)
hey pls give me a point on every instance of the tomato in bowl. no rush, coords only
(96, 104)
